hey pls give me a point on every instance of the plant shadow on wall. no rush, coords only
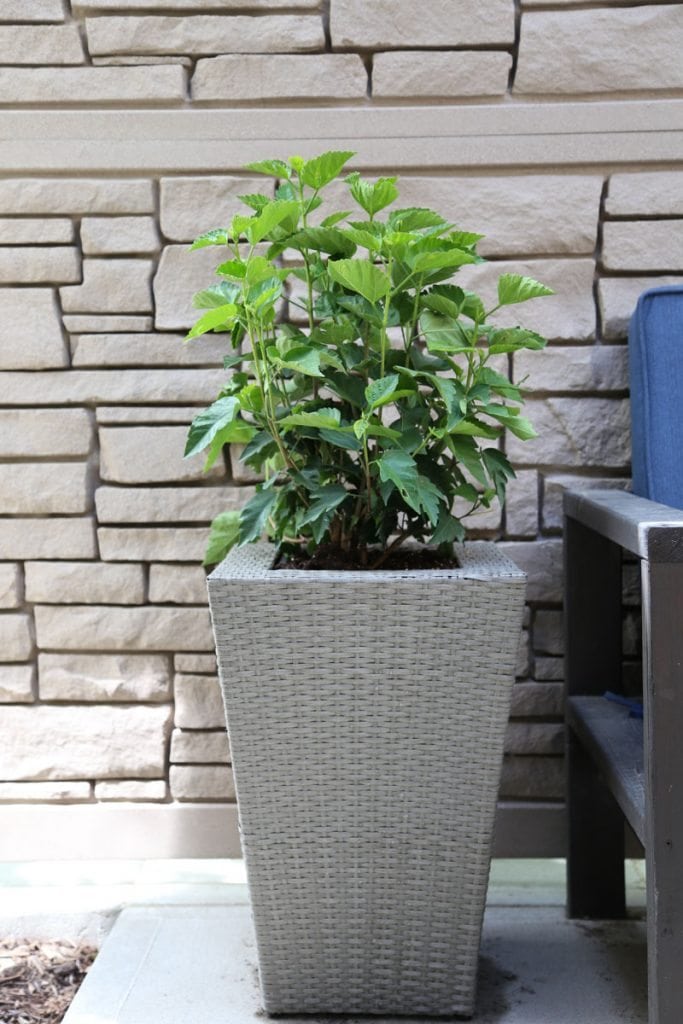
(378, 421)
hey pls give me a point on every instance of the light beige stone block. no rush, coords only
(149, 455)
(39, 265)
(533, 778)
(541, 560)
(554, 486)
(414, 73)
(32, 231)
(179, 276)
(83, 323)
(575, 432)
(200, 747)
(194, 663)
(71, 537)
(618, 296)
(549, 669)
(110, 286)
(201, 782)
(101, 236)
(28, 432)
(619, 49)
(163, 83)
(16, 684)
(135, 790)
(177, 584)
(43, 488)
(548, 632)
(161, 544)
(219, 6)
(440, 23)
(176, 505)
(163, 415)
(100, 350)
(205, 34)
(524, 214)
(643, 245)
(534, 738)
(44, 792)
(84, 583)
(75, 195)
(534, 700)
(41, 44)
(33, 10)
(16, 641)
(89, 627)
(645, 194)
(574, 368)
(30, 322)
(80, 387)
(190, 206)
(198, 702)
(521, 504)
(523, 656)
(104, 677)
(568, 315)
(264, 77)
(72, 742)
(10, 585)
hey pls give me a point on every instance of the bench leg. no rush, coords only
(663, 694)
(595, 855)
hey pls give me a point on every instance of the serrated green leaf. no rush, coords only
(443, 334)
(448, 529)
(429, 497)
(340, 439)
(329, 240)
(381, 390)
(218, 236)
(206, 425)
(224, 534)
(270, 216)
(499, 469)
(511, 339)
(362, 277)
(372, 196)
(325, 501)
(473, 308)
(237, 432)
(446, 304)
(325, 418)
(221, 316)
(514, 288)
(467, 452)
(300, 359)
(415, 218)
(255, 200)
(321, 170)
(254, 514)
(273, 168)
(427, 261)
(473, 427)
(334, 218)
(216, 295)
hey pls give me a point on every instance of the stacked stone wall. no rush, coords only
(108, 689)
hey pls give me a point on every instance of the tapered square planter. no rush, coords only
(367, 714)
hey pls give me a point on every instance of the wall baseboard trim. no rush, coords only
(561, 133)
(138, 831)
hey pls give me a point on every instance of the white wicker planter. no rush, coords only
(367, 737)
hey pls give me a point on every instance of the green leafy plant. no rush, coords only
(378, 418)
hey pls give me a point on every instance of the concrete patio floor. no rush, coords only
(181, 950)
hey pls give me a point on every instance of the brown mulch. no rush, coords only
(329, 557)
(38, 980)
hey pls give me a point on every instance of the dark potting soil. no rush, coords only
(329, 557)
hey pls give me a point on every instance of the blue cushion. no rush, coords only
(656, 371)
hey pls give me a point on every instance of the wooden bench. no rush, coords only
(620, 768)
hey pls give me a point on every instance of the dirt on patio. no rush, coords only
(38, 980)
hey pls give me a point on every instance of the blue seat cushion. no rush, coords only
(656, 373)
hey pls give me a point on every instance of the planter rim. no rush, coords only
(479, 560)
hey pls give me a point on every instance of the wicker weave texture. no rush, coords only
(367, 735)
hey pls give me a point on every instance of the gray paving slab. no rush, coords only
(197, 965)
